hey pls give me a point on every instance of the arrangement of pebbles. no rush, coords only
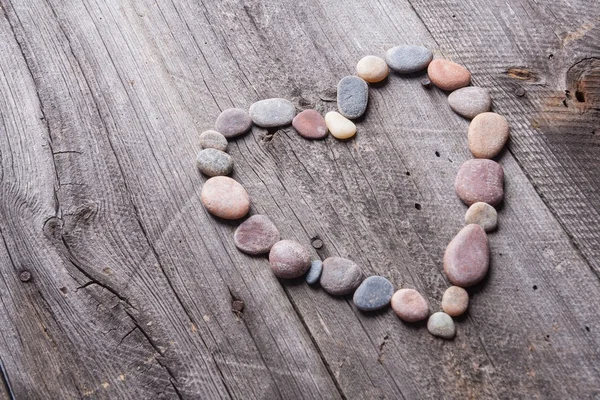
(479, 184)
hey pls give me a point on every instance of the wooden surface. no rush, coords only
(101, 105)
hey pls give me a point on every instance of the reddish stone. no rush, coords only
(289, 259)
(448, 75)
(256, 235)
(310, 124)
(409, 305)
(480, 180)
(225, 198)
(467, 256)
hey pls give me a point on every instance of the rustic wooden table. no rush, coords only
(116, 283)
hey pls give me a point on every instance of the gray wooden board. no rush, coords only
(132, 282)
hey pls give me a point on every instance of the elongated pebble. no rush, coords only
(233, 122)
(448, 75)
(470, 101)
(274, 112)
(256, 235)
(310, 124)
(483, 215)
(340, 276)
(467, 257)
(213, 162)
(352, 96)
(407, 59)
(480, 180)
(225, 198)
(409, 305)
(374, 293)
(289, 259)
(455, 301)
(213, 140)
(441, 325)
(372, 69)
(488, 133)
(339, 126)
(314, 273)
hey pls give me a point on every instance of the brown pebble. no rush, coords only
(289, 259)
(310, 124)
(448, 75)
(467, 256)
(225, 198)
(372, 69)
(233, 122)
(455, 301)
(488, 133)
(237, 306)
(409, 305)
(256, 235)
(480, 180)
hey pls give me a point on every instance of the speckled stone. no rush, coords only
(213, 162)
(225, 198)
(213, 140)
(233, 122)
(467, 257)
(448, 75)
(314, 273)
(470, 101)
(340, 276)
(310, 124)
(408, 58)
(409, 305)
(352, 96)
(339, 126)
(372, 69)
(480, 180)
(455, 301)
(441, 325)
(483, 215)
(289, 259)
(488, 133)
(256, 235)
(374, 293)
(270, 113)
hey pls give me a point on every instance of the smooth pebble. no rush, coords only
(340, 276)
(483, 215)
(256, 235)
(470, 101)
(289, 259)
(372, 69)
(314, 273)
(480, 180)
(310, 124)
(488, 133)
(213, 140)
(441, 325)
(409, 305)
(455, 301)
(270, 113)
(374, 293)
(339, 126)
(233, 122)
(467, 257)
(225, 198)
(352, 96)
(213, 162)
(407, 59)
(448, 75)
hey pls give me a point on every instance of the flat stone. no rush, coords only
(455, 301)
(483, 215)
(270, 113)
(409, 305)
(407, 59)
(340, 276)
(314, 273)
(213, 140)
(233, 122)
(289, 259)
(352, 96)
(448, 75)
(480, 180)
(256, 235)
(470, 101)
(225, 198)
(372, 69)
(339, 126)
(467, 257)
(441, 325)
(488, 133)
(374, 293)
(310, 124)
(213, 162)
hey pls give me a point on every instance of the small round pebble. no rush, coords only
(352, 96)
(233, 122)
(225, 198)
(488, 133)
(448, 75)
(289, 259)
(372, 69)
(483, 215)
(213, 140)
(408, 58)
(470, 101)
(441, 325)
(467, 257)
(339, 126)
(314, 273)
(374, 293)
(409, 305)
(213, 162)
(256, 235)
(480, 180)
(455, 301)
(340, 276)
(310, 124)
(270, 113)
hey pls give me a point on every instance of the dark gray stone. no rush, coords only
(408, 58)
(213, 162)
(374, 293)
(352, 96)
(340, 276)
(314, 273)
(233, 122)
(270, 113)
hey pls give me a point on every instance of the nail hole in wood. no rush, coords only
(417, 206)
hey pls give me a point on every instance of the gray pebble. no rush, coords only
(213, 162)
(352, 96)
(213, 140)
(233, 122)
(470, 101)
(374, 293)
(270, 113)
(340, 276)
(314, 273)
(483, 215)
(441, 325)
(408, 58)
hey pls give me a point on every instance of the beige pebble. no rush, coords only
(488, 133)
(372, 69)
(339, 126)
(410, 305)
(455, 301)
(482, 214)
(225, 198)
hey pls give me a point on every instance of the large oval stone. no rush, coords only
(213, 162)
(339, 126)
(409, 305)
(352, 96)
(340, 276)
(374, 293)
(480, 180)
(310, 124)
(233, 122)
(270, 113)
(289, 259)
(448, 75)
(225, 198)
(470, 101)
(256, 235)
(488, 133)
(467, 256)
(408, 58)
